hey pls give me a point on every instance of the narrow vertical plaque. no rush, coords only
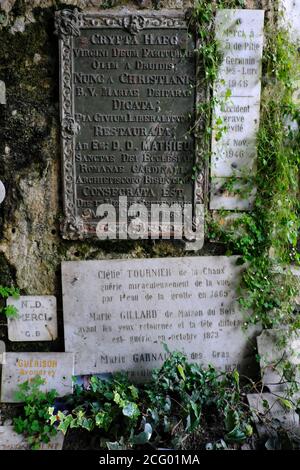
(127, 109)
(236, 115)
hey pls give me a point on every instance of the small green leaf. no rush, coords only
(131, 410)
(181, 371)
(11, 311)
(286, 403)
(236, 435)
(143, 437)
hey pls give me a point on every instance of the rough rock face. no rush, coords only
(31, 248)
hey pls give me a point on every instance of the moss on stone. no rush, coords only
(28, 67)
(7, 273)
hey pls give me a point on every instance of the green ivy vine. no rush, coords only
(266, 237)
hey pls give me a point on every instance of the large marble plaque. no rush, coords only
(236, 114)
(128, 93)
(118, 314)
(268, 411)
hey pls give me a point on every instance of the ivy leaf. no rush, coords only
(19, 425)
(196, 409)
(231, 420)
(131, 410)
(236, 435)
(117, 398)
(143, 437)
(134, 392)
(286, 403)
(35, 426)
(87, 424)
(11, 311)
(248, 430)
(115, 446)
(167, 424)
(228, 93)
(168, 404)
(65, 422)
(181, 371)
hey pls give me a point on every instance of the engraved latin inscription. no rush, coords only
(133, 92)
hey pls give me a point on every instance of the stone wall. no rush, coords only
(31, 247)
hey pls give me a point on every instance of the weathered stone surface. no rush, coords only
(31, 231)
(18, 26)
(36, 321)
(118, 313)
(2, 192)
(240, 35)
(238, 197)
(10, 440)
(274, 355)
(56, 368)
(290, 19)
(267, 408)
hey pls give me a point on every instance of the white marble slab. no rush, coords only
(37, 318)
(289, 16)
(117, 313)
(274, 355)
(237, 92)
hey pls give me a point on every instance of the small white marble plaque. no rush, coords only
(273, 356)
(2, 192)
(57, 368)
(237, 91)
(37, 318)
(10, 440)
(267, 408)
(117, 314)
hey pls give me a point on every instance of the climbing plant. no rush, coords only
(265, 237)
